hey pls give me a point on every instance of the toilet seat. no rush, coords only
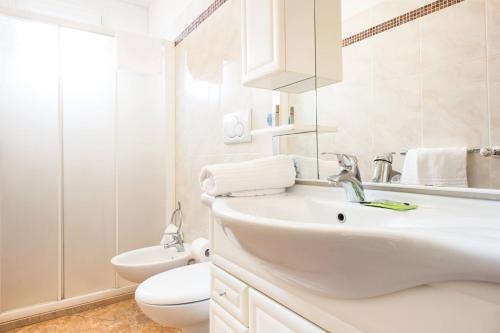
(183, 285)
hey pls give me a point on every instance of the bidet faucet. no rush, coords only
(349, 178)
(177, 241)
(177, 236)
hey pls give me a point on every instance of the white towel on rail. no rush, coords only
(257, 177)
(436, 167)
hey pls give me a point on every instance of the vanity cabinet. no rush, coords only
(285, 46)
(268, 316)
(222, 322)
(231, 294)
(237, 308)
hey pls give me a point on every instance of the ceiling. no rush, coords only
(142, 3)
(349, 7)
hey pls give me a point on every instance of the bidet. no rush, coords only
(138, 265)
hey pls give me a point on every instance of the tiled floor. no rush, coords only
(120, 317)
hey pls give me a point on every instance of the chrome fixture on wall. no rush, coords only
(382, 169)
(485, 151)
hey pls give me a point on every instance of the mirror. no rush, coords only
(414, 76)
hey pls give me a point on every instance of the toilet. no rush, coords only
(178, 298)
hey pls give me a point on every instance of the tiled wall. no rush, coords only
(208, 85)
(432, 82)
(423, 10)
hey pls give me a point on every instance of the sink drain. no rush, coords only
(341, 218)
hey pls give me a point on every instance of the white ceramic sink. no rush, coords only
(138, 265)
(298, 238)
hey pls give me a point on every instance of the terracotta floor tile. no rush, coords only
(121, 317)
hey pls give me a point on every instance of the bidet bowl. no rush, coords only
(138, 265)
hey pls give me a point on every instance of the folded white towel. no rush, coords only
(436, 167)
(255, 177)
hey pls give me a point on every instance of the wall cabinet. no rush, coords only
(291, 45)
(237, 308)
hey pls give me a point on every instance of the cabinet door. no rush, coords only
(268, 316)
(231, 294)
(223, 322)
(263, 38)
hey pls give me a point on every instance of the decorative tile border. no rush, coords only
(199, 20)
(393, 23)
(400, 20)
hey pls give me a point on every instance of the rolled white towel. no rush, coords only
(254, 177)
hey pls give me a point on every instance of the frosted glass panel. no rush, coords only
(29, 163)
(89, 186)
(141, 160)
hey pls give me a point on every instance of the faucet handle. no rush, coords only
(347, 162)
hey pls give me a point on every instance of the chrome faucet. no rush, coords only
(177, 236)
(177, 241)
(349, 178)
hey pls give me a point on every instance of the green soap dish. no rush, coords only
(393, 205)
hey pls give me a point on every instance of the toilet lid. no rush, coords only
(186, 284)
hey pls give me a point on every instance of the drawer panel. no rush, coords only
(231, 294)
(223, 322)
(268, 316)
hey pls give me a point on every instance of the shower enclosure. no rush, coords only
(83, 160)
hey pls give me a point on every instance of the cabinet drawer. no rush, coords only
(223, 322)
(231, 294)
(268, 316)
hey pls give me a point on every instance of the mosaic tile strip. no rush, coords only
(393, 23)
(400, 20)
(199, 20)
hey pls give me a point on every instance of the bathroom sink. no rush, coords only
(313, 238)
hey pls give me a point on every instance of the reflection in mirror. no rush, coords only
(300, 112)
(417, 78)
(300, 102)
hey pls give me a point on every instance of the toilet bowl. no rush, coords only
(138, 265)
(178, 298)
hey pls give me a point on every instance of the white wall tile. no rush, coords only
(209, 86)
(493, 26)
(454, 102)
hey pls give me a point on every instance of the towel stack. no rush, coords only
(258, 177)
(436, 167)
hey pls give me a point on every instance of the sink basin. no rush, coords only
(313, 238)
